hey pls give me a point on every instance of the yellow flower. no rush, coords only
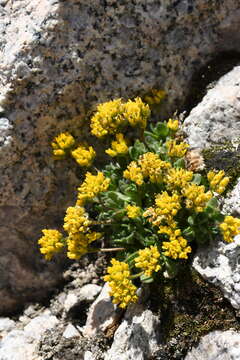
(196, 197)
(217, 181)
(167, 206)
(119, 147)
(170, 230)
(177, 178)
(177, 248)
(108, 118)
(91, 187)
(61, 144)
(134, 173)
(83, 155)
(136, 112)
(230, 227)
(77, 244)
(148, 260)
(50, 243)
(153, 167)
(133, 211)
(176, 150)
(173, 124)
(122, 288)
(76, 220)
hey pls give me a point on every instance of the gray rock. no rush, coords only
(231, 204)
(220, 265)
(58, 59)
(137, 337)
(102, 314)
(216, 119)
(22, 344)
(218, 345)
(86, 293)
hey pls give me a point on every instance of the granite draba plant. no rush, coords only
(147, 206)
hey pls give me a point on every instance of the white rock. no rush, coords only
(88, 355)
(137, 337)
(217, 117)
(16, 346)
(219, 263)
(37, 326)
(6, 324)
(71, 301)
(89, 292)
(217, 345)
(102, 313)
(70, 332)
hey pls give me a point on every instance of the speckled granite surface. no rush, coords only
(58, 59)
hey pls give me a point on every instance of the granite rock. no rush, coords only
(218, 345)
(137, 337)
(215, 120)
(219, 263)
(58, 59)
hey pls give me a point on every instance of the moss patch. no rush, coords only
(189, 308)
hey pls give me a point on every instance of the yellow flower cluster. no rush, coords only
(133, 211)
(167, 206)
(50, 243)
(122, 288)
(176, 248)
(176, 150)
(136, 112)
(108, 118)
(149, 166)
(76, 220)
(119, 147)
(134, 173)
(196, 197)
(84, 155)
(61, 144)
(218, 181)
(77, 244)
(147, 260)
(113, 115)
(173, 124)
(153, 167)
(177, 179)
(230, 227)
(92, 186)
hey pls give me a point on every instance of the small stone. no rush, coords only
(102, 313)
(88, 355)
(70, 332)
(71, 301)
(37, 326)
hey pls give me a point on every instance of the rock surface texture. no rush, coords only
(220, 265)
(216, 119)
(58, 59)
(217, 345)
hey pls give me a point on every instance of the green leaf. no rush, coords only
(190, 220)
(146, 279)
(137, 149)
(197, 178)
(179, 164)
(213, 203)
(161, 130)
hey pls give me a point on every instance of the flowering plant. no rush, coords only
(148, 204)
